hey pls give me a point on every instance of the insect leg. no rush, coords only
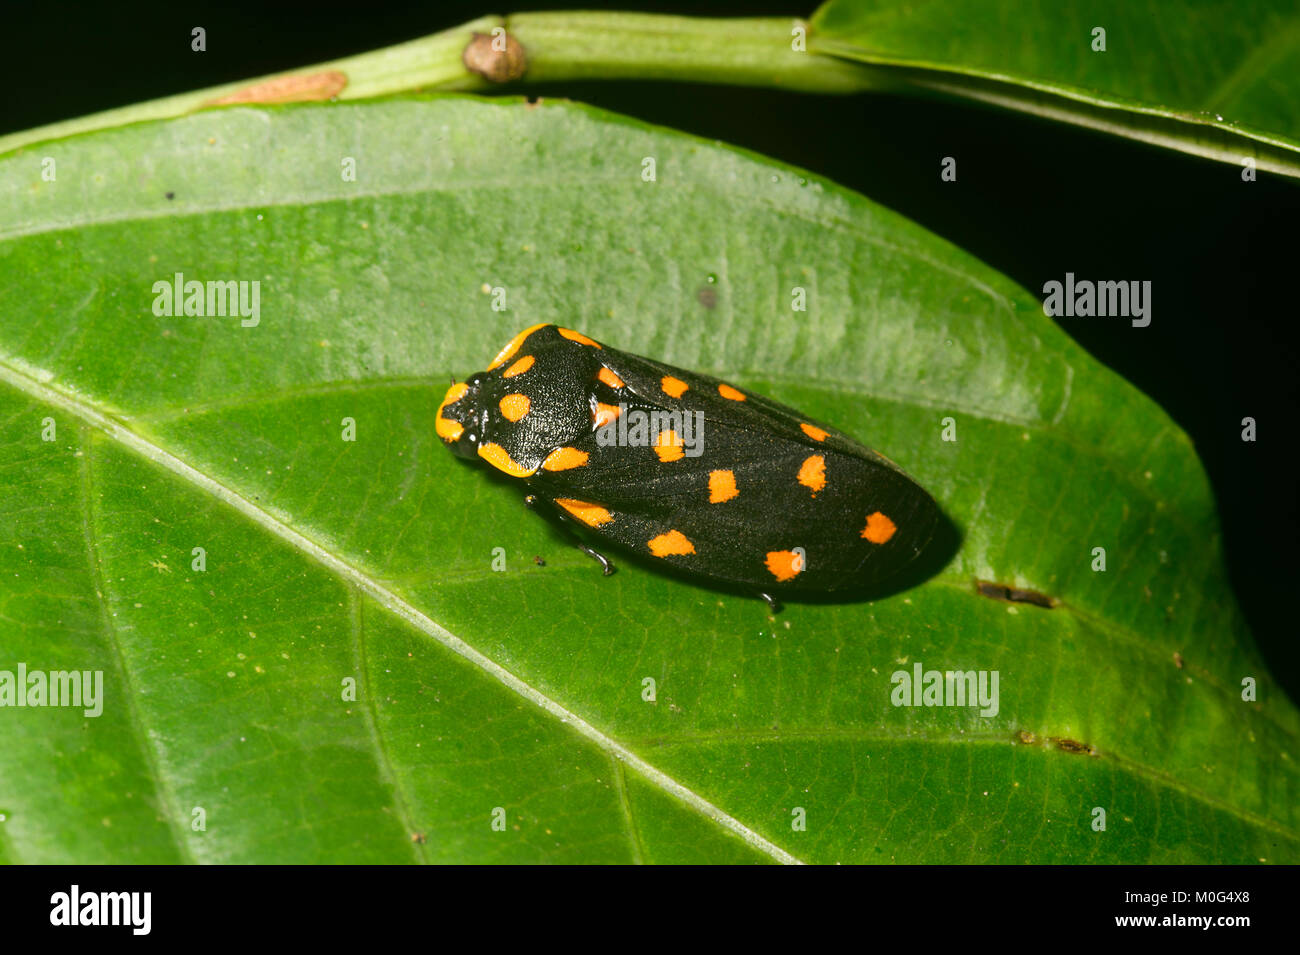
(607, 568)
(772, 604)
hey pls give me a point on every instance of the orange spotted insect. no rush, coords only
(688, 471)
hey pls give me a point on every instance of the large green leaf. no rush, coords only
(1217, 78)
(522, 689)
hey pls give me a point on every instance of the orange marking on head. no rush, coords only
(729, 392)
(669, 447)
(515, 407)
(562, 459)
(593, 515)
(609, 378)
(812, 473)
(496, 456)
(879, 528)
(519, 367)
(604, 414)
(673, 387)
(814, 432)
(512, 346)
(672, 543)
(722, 486)
(784, 564)
(447, 429)
(578, 337)
(454, 394)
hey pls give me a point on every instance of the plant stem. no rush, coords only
(559, 46)
(743, 52)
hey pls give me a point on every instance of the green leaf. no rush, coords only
(372, 559)
(1215, 78)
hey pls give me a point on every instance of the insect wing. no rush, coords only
(745, 493)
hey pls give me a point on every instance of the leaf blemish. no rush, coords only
(986, 588)
(288, 89)
(1074, 746)
(1064, 744)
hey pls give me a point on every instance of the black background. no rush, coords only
(1033, 200)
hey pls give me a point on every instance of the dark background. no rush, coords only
(1033, 200)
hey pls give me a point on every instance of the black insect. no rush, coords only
(709, 478)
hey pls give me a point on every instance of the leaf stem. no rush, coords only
(749, 52)
(558, 47)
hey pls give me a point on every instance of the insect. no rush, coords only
(685, 469)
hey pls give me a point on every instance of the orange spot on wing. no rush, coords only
(814, 432)
(609, 378)
(447, 429)
(672, 543)
(673, 387)
(784, 564)
(578, 337)
(722, 486)
(669, 447)
(812, 473)
(879, 528)
(496, 456)
(519, 367)
(562, 459)
(515, 407)
(731, 393)
(512, 346)
(604, 414)
(593, 515)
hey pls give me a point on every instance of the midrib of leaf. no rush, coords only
(27, 383)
